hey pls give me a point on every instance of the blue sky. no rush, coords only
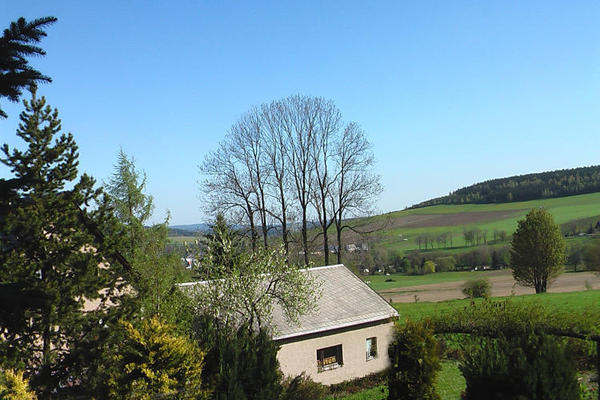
(450, 93)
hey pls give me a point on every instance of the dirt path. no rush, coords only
(502, 282)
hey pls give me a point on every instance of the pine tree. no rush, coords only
(15, 47)
(55, 250)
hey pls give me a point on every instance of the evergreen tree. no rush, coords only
(240, 363)
(13, 386)
(156, 364)
(155, 272)
(132, 206)
(415, 363)
(50, 251)
(15, 47)
(223, 250)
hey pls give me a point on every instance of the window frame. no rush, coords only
(371, 352)
(327, 353)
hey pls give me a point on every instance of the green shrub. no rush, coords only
(531, 367)
(239, 364)
(155, 363)
(477, 288)
(359, 384)
(428, 267)
(14, 387)
(415, 358)
(301, 387)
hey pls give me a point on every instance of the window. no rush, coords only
(329, 358)
(371, 348)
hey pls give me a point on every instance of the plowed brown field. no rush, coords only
(502, 282)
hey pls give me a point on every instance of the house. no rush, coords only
(345, 338)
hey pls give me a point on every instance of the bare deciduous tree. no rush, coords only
(292, 157)
(356, 188)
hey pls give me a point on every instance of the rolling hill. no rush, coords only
(400, 230)
(543, 185)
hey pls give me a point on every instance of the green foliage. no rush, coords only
(240, 364)
(538, 250)
(415, 362)
(16, 44)
(154, 363)
(477, 288)
(246, 291)
(223, 249)
(131, 205)
(517, 318)
(533, 367)
(428, 267)
(301, 387)
(14, 387)
(54, 255)
(154, 271)
(445, 264)
(358, 384)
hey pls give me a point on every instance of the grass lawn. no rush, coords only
(450, 384)
(376, 393)
(565, 302)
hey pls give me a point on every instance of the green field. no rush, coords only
(565, 302)
(392, 237)
(183, 239)
(400, 280)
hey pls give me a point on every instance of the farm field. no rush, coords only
(448, 285)
(182, 239)
(399, 229)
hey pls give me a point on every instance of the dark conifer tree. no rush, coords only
(16, 45)
(59, 239)
(222, 250)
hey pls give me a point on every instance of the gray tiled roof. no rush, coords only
(345, 301)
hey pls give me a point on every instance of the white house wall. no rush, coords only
(301, 356)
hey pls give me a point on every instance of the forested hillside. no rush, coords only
(565, 182)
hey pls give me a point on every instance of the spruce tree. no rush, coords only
(59, 238)
(223, 250)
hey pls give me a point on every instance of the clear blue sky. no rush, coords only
(450, 92)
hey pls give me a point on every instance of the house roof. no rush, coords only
(345, 301)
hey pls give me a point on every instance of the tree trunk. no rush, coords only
(339, 243)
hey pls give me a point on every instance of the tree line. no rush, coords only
(471, 236)
(559, 183)
(288, 166)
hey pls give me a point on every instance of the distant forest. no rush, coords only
(544, 185)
